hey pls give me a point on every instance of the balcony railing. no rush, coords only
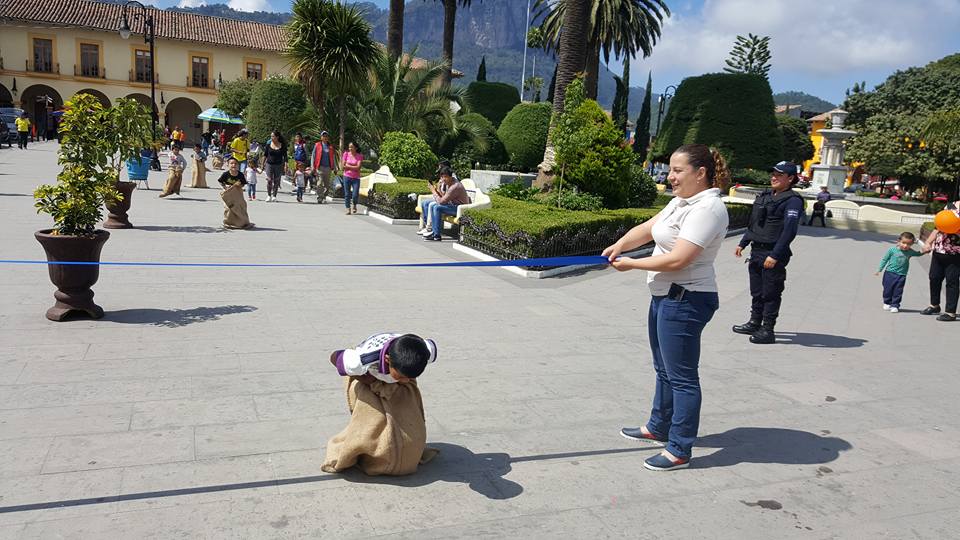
(42, 67)
(93, 72)
(199, 81)
(142, 77)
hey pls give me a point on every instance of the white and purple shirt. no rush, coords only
(370, 357)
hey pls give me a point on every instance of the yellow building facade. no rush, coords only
(51, 50)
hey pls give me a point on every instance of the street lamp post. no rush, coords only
(662, 103)
(148, 38)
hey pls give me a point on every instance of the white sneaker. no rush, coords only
(894, 310)
(886, 307)
(427, 232)
(421, 231)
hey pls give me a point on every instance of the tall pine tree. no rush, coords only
(482, 70)
(621, 101)
(641, 133)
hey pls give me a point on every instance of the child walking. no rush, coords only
(387, 433)
(895, 264)
(299, 179)
(251, 177)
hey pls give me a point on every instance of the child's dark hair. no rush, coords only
(409, 355)
(908, 236)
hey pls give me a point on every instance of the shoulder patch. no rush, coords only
(793, 213)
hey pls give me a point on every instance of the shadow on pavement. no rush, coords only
(197, 229)
(174, 318)
(768, 445)
(16, 195)
(823, 341)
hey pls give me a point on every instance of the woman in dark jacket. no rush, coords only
(276, 158)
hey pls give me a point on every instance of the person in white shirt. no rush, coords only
(387, 357)
(683, 287)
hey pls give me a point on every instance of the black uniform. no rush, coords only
(774, 220)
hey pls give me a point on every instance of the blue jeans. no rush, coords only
(251, 190)
(425, 210)
(674, 330)
(351, 188)
(893, 288)
(243, 166)
(437, 211)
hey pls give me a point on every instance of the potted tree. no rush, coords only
(95, 141)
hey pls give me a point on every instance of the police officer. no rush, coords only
(774, 220)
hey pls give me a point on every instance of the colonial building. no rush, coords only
(51, 50)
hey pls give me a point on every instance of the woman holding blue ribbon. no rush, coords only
(683, 288)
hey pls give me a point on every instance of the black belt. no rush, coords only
(762, 245)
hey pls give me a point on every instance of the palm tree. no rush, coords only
(336, 46)
(449, 20)
(571, 53)
(414, 100)
(395, 29)
(620, 27)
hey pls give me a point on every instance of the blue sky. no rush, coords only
(820, 48)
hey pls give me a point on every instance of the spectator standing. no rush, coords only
(324, 163)
(239, 147)
(944, 266)
(276, 158)
(351, 160)
(23, 130)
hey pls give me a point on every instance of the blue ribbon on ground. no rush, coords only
(543, 261)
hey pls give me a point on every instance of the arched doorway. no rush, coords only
(183, 112)
(40, 101)
(101, 97)
(144, 100)
(6, 99)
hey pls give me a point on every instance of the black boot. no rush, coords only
(765, 334)
(749, 328)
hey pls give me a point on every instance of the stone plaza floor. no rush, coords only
(200, 406)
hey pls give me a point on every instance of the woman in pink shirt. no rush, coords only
(351, 161)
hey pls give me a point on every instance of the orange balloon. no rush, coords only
(947, 222)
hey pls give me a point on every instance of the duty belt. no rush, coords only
(762, 245)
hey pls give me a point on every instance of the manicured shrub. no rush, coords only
(465, 154)
(592, 155)
(516, 191)
(492, 99)
(642, 191)
(275, 103)
(524, 134)
(394, 200)
(407, 155)
(731, 112)
(752, 177)
(569, 199)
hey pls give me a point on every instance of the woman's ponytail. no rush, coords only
(721, 177)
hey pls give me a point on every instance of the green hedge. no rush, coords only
(407, 155)
(524, 134)
(275, 104)
(393, 200)
(731, 112)
(513, 229)
(492, 99)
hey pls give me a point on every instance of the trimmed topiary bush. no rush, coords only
(642, 191)
(493, 100)
(732, 112)
(407, 155)
(394, 201)
(275, 103)
(524, 134)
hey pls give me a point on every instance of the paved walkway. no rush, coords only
(846, 428)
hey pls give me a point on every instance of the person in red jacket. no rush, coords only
(324, 163)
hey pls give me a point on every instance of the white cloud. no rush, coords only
(249, 5)
(191, 3)
(820, 39)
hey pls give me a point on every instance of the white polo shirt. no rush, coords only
(702, 220)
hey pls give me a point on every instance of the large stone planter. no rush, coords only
(117, 212)
(73, 281)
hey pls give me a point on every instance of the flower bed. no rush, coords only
(513, 229)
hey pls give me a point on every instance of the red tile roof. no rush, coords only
(168, 24)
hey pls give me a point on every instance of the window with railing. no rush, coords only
(255, 71)
(89, 60)
(141, 67)
(200, 72)
(43, 55)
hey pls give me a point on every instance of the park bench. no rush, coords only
(478, 199)
(380, 176)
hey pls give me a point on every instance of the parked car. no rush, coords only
(853, 188)
(8, 129)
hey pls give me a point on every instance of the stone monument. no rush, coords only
(831, 171)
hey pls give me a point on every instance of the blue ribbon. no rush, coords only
(543, 261)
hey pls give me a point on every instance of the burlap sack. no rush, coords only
(387, 433)
(218, 162)
(199, 178)
(235, 211)
(174, 179)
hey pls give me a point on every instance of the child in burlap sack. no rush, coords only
(387, 433)
(175, 176)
